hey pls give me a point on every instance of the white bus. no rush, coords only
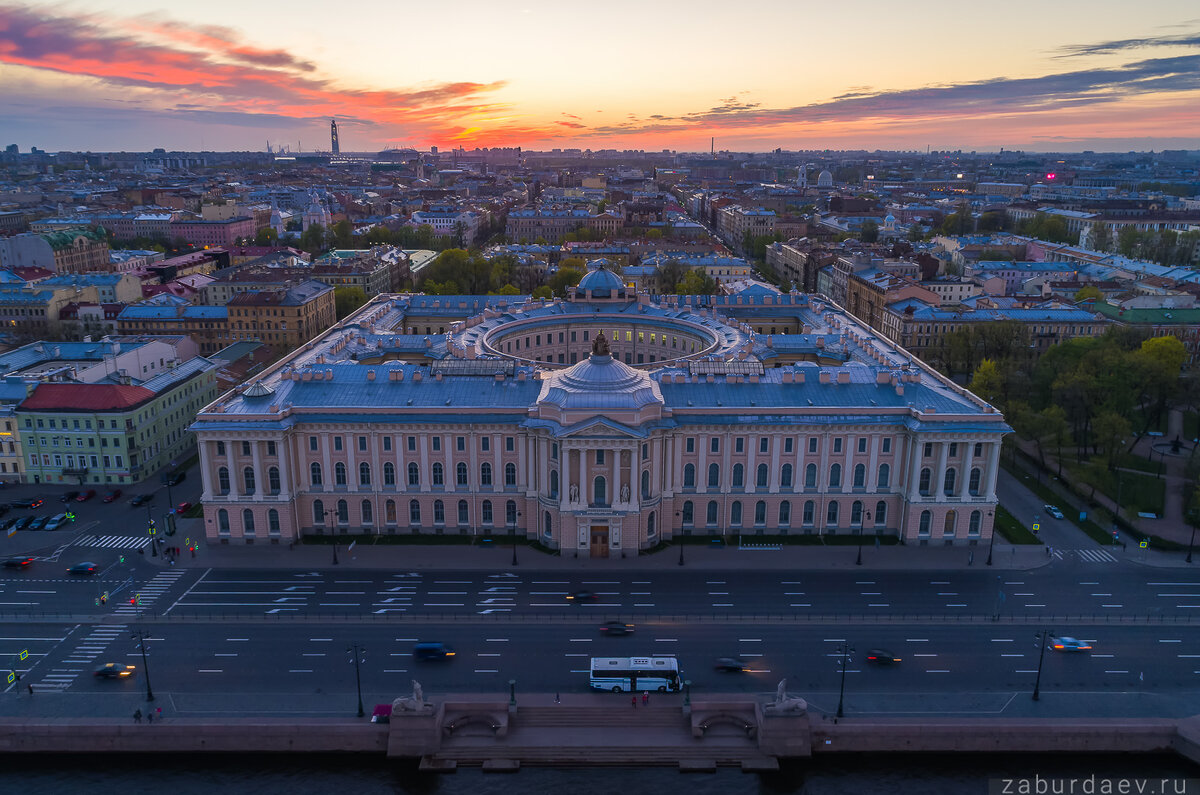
(633, 674)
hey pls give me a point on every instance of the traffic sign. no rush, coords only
(1143, 544)
(1036, 527)
(12, 677)
(24, 653)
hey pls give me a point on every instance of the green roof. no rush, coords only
(65, 238)
(1160, 317)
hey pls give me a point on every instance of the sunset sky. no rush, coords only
(233, 74)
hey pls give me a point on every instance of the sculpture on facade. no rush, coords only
(624, 492)
(413, 703)
(600, 345)
(573, 492)
(785, 703)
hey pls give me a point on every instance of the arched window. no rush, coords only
(835, 476)
(785, 513)
(650, 528)
(223, 521)
(760, 513)
(714, 476)
(785, 476)
(248, 479)
(735, 513)
(273, 479)
(510, 513)
(739, 476)
(810, 511)
(343, 512)
(439, 512)
(760, 481)
(273, 522)
(460, 474)
(314, 474)
(222, 480)
(860, 476)
(554, 484)
(599, 491)
(885, 473)
(485, 512)
(414, 512)
(646, 484)
(547, 525)
(831, 514)
(923, 483)
(389, 511)
(810, 476)
(318, 512)
(485, 474)
(439, 475)
(510, 474)
(976, 522)
(881, 514)
(973, 482)
(339, 474)
(950, 525)
(248, 522)
(710, 516)
(364, 474)
(925, 523)
(464, 516)
(368, 512)
(948, 485)
(389, 474)
(687, 512)
(414, 475)
(856, 513)
(689, 476)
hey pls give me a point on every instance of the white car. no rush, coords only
(56, 521)
(1053, 511)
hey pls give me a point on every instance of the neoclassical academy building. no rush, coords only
(600, 425)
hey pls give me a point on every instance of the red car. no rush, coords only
(85, 496)
(183, 507)
(112, 495)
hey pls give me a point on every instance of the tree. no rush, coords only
(992, 221)
(543, 292)
(668, 275)
(988, 383)
(348, 299)
(313, 239)
(1100, 238)
(343, 235)
(266, 237)
(868, 232)
(959, 222)
(1089, 292)
(1112, 436)
(566, 276)
(916, 232)
(696, 282)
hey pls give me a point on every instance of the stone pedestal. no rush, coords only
(416, 733)
(783, 729)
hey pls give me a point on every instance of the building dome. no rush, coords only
(600, 382)
(600, 283)
(825, 179)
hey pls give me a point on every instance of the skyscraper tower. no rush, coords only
(333, 137)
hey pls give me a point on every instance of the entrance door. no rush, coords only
(599, 541)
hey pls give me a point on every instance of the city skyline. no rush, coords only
(1082, 76)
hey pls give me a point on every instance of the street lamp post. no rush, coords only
(846, 651)
(358, 658)
(150, 524)
(991, 541)
(512, 692)
(513, 531)
(1042, 636)
(141, 636)
(858, 561)
(1191, 542)
(330, 516)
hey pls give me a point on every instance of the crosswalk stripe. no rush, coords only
(113, 542)
(1089, 555)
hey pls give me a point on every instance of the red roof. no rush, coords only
(85, 397)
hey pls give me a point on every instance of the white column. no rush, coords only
(426, 472)
(873, 465)
(773, 475)
(943, 449)
(702, 466)
(205, 474)
(750, 482)
(615, 496)
(913, 471)
(260, 476)
(993, 469)
(351, 463)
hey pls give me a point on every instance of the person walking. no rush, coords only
(137, 715)
(633, 700)
(150, 717)
(645, 698)
(158, 713)
(30, 686)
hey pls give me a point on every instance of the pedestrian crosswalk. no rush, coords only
(85, 653)
(112, 542)
(1086, 555)
(149, 593)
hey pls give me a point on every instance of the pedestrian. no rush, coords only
(172, 561)
(971, 558)
(158, 713)
(30, 689)
(633, 701)
(645, 698)
(557, 700)
(137, 715)
(150, 717)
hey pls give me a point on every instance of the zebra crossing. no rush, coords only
(112, 542)
(1086, 555)
(149, 593)
(85, 653)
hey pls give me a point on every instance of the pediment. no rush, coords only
(601, 427)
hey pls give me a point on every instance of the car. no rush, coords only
(86, 567)
(85, 496)
(55, 522)
(112, 495)
(141, 500)
(579, 597)
(3, 508)
(39, 523)
(19, 562)
(183, 507)
(70, 495)
(114, 671)
(1069, 644)
(881, 657)
(24, 522)
(730, 665)
(30, 503)
(1054, 511)
(8, 524)
(616, 628)
(176, 478)
(433, 651)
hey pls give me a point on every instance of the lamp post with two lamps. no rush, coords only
(867, 515)
(358, 657)
(845, 650)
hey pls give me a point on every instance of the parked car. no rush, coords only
(141, 500)
(7, 524)
(176, 478)
(24, 522)
(57, 521)
(433, 651)
(112, 495)
(1054, 511)
(3, 508)
(39, 523)
(67, 497)
(85, 496)
(85, 568)
(616, 628)
(183, 507)
(1069, 644)
(30, 503)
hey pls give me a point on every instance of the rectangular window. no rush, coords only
(437, 444)
(460, 443)
(485, 444)
(510, 444)
(978, 449)
(714, 445)
(387, 444)
(599, 457)
(953, 449)
(312, 443)
(928, 449)
(787, 445)
(337, 443)
(739, 445)
(270, 448)
(887, 445)
(762, 444)
(245, 448)
(362, 444)
(412, 444)
(812, 445)
(862, 444)
(690, 446)
(837, 444)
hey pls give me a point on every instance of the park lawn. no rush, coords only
(1138, 493)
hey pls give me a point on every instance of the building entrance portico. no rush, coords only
(599, 541)
(599, 537)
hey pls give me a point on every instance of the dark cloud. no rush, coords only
(1120, 45)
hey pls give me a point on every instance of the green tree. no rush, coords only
(668, 275)
(868, 232)
(1100, 238)
(266, 237)
(511, 289)
(313, 239)
(1089, 292)
(696, 282)
(959, 222)
(343, 235)
(564, 277)
(992, 221)
(1112, 436)
(348, 299)
(988, 383)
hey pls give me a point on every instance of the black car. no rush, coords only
(19, 562)
(86, 567)
(3, 508)
(433, 651)
(616, 628)
(7, 524)
(141, 499)
(30, 503)
(176, 478)
(70, 495)
(24, 522)
(114, 671)
(733, 665)
(579, 597)
(39, 523)
(881, 657)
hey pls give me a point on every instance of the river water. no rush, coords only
(184, 774)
